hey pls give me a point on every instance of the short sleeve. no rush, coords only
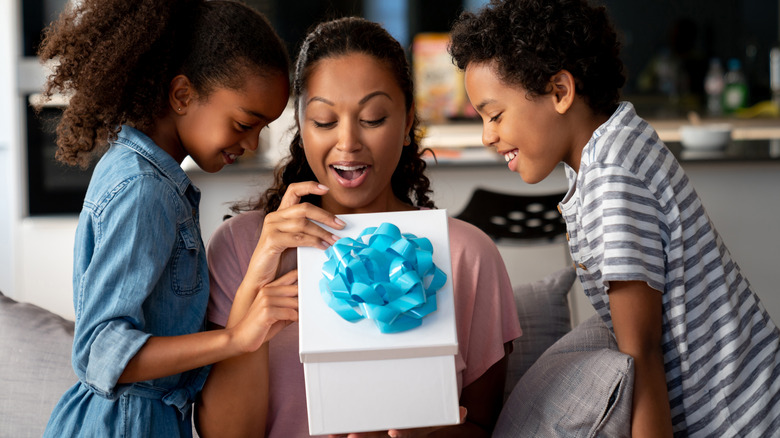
(486, 314)
(229, 252)
(132, 247)
(623, 223)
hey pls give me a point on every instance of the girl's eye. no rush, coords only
(495, 118)
(323, 125)
(374, 123)
(243, 127)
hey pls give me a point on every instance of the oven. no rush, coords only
(52, 188)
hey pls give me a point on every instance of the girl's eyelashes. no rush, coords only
(495, 118)
(243, 127)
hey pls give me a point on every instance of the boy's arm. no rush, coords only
(637, 318)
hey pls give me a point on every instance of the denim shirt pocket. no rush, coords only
(186, 276)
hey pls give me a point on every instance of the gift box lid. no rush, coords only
(325, 336)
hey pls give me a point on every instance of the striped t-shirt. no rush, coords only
(632, 214)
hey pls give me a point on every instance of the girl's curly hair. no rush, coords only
(337, 38)
(531, 40)
(116, 59)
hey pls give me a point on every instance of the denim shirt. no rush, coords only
(139, 271)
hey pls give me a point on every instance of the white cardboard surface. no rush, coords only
(362, 396)
(359, 379)
(326, 336)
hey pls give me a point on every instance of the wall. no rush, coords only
(742, 199)
(9, 147)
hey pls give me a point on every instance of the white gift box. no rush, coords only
(359, 379)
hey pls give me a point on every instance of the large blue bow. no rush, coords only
(382, 275)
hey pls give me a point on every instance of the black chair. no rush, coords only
(515, 219)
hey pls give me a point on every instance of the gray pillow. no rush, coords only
(35, 367)
(543, 311)
(582, 386)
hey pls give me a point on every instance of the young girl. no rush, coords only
(354, 151)
(545, 76)
(154, 81)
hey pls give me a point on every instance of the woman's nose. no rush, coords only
(349, 137)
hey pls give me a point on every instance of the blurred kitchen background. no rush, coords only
(701, 60)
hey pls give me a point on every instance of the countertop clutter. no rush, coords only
(460, 144)
(751, 140)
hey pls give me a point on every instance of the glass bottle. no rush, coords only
(735, 90)
(713, 86)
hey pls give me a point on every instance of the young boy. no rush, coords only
(545, 76)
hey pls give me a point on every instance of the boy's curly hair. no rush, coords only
(332, 39)
(116, 59)
(531, 40)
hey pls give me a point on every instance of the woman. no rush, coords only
(354, 151)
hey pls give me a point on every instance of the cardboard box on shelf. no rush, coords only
(439, 93)
(360, 379)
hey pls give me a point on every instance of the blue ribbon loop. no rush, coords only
(383, 275)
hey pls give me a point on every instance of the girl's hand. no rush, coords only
(401, 433)
(291, 226)
(274, 308)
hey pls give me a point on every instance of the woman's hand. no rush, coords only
(291, 226)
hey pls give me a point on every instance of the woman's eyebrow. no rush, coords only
(365, 99)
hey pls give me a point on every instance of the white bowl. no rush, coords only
(705, 137)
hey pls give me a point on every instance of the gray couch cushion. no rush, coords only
(543, 310)
(582, 386)
(35, 367)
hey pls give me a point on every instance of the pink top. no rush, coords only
(486, 315)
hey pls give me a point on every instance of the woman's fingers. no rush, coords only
(296, 191)
(287, 279)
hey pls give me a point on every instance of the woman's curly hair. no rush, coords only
(530, 41)
(338, 38)
(115, 60)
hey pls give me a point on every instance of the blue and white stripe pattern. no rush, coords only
(632, 214)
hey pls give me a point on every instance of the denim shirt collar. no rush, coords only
(147, 148)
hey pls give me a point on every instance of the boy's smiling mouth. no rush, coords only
(509, 155)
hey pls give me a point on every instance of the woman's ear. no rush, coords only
(564, 90)
(180, 94)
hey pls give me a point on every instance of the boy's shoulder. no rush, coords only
(625, 140)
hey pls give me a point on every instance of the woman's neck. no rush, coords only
(377, 206)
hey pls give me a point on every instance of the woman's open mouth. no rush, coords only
(350, 175)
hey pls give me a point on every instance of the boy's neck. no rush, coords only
(581, 122)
